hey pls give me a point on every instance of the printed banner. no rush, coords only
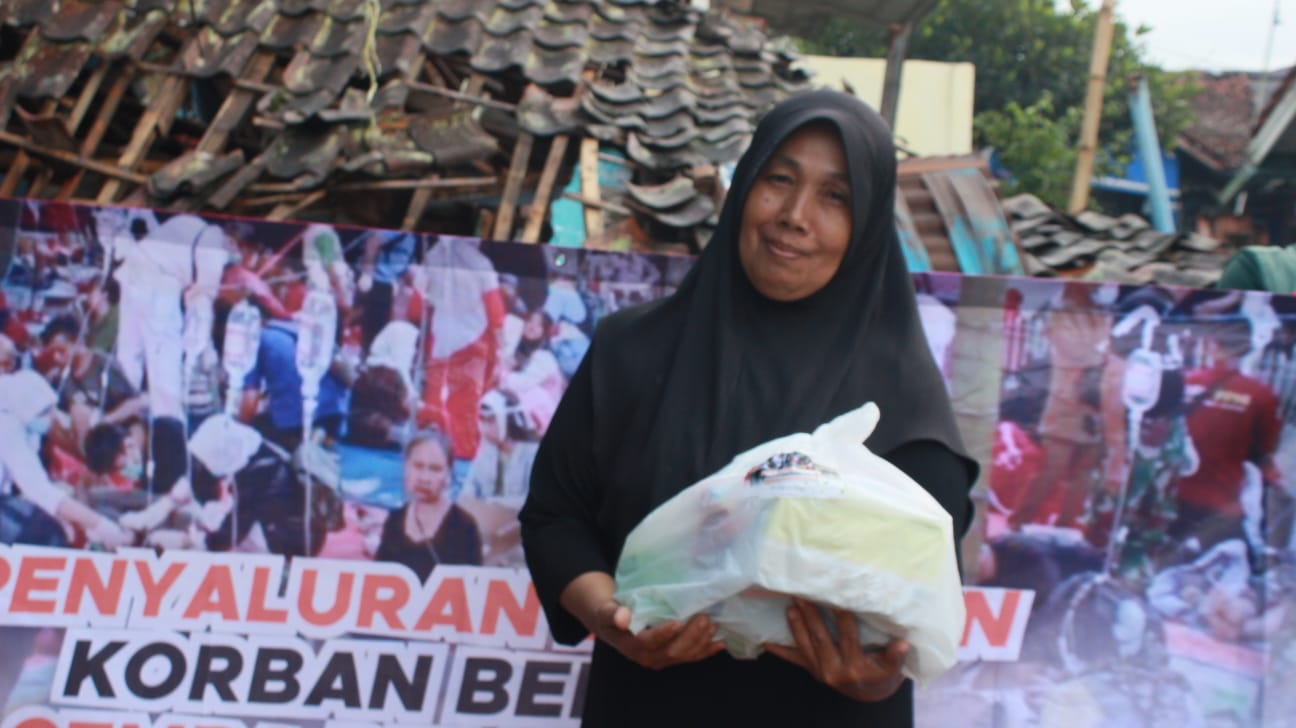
(258, 473)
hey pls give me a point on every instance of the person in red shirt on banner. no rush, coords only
(1233, 420)
(466, 328)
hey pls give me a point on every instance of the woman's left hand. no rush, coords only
(843, 665)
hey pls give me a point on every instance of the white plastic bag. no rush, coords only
(817, 516)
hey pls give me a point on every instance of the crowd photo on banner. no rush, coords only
(180, 382)
(1140, 484)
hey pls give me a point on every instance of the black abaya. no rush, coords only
(669, 392)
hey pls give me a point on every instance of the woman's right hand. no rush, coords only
(589, 598)
(658, 647)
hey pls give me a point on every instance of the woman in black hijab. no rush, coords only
(799, 309)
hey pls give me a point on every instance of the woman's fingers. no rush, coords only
(791, 654)
(667, 644)
(894, 656)
(848, 637)
(826, 654)
(695, 640)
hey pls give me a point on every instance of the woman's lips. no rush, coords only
(779, 250)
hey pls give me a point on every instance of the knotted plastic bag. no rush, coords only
(816, 516)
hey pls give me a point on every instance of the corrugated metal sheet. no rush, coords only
(974, 218)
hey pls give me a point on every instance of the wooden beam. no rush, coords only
(459, 96)
(433, 74)
(476, 82)
(540, 202)
(97, 130)
(590, 187)
(598, 204)
(272, 188)
(286, 210)
(154, 119)
(117, 173)
(21, 162)
(513, 186)
(236, 105)
(86, 98)
(72, 122)
(418, 202)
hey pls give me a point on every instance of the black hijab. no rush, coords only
(747, 369)
(670, 391)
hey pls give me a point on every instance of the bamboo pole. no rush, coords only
(1093, 108)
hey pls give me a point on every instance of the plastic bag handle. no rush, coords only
(855, 425)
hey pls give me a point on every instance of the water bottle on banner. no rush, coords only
(242, 342)
(316, 329)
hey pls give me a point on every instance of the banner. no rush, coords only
(258, 473)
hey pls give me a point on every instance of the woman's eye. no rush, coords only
(837, 196)
(779, 178)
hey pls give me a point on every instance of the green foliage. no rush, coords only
(1033, 141)
(1032, 69)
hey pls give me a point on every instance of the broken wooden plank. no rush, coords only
(154, 120)
(540, 202)
(590, 186)
(236, 105)
(108, 170)
(513, 186)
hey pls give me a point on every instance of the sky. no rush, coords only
(1213, 35)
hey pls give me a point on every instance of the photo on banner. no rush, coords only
(269, 472)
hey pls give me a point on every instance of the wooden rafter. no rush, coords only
(107, 108)
(513, 187)
(155, 120)
(21, 162)
(544, 189)
(236, 105)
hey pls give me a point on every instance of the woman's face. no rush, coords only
(426, 469)
(534, 328)
(796, 223)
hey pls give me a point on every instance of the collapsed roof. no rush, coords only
(280, 108)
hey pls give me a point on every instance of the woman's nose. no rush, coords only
(795, 209)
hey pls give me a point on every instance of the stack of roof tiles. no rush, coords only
(343, 88)
(1120, 250)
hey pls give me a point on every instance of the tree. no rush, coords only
(1032, 62)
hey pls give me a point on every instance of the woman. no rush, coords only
(33, 509)
(799, 309)
(429, 529)
(31, 506)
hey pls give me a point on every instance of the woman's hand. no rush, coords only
(589, 598)
(862, 675)
(672, 643)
